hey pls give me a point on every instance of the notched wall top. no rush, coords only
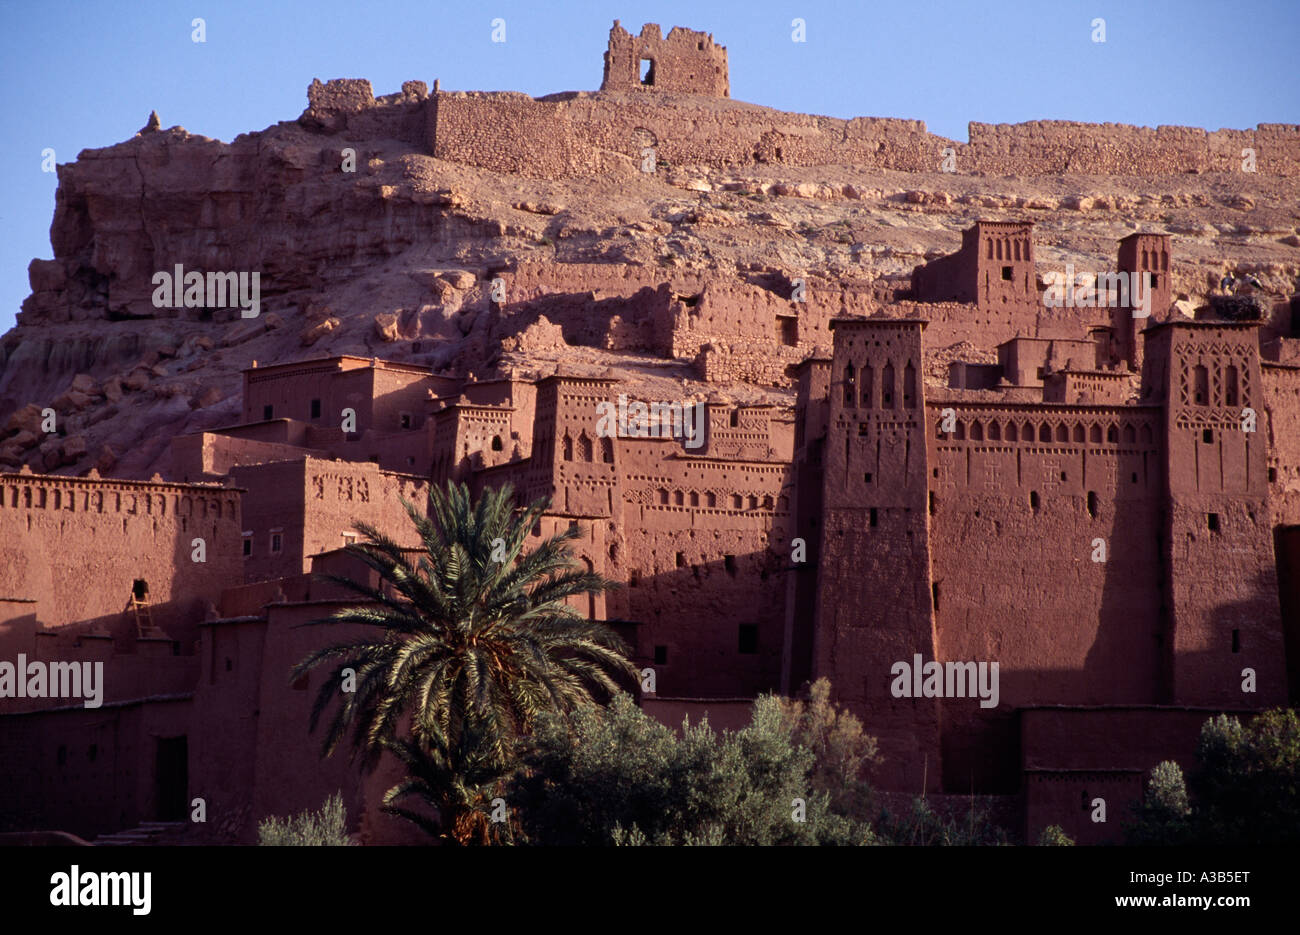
(686, 61)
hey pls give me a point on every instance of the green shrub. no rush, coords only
(616, 776)
(1054, 836)
(923, 826)
(1244, 789)
(324, 827)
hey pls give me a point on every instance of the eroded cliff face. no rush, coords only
(396, 258)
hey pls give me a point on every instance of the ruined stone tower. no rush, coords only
(687, 61)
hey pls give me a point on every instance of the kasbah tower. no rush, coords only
(1100, 498)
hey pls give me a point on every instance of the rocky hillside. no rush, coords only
(392, 260)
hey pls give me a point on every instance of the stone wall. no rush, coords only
(1010, 478)
(577, 134)
(1046, 147)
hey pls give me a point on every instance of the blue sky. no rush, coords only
(84, 75)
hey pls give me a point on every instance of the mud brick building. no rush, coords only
(1110, 511)
(957, 523)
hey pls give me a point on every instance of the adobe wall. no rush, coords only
(83, 771)
(529, 280)
(349, 105)
(209, 456)
(589, 134)
(712, 320)
(1281, 386)
(313, 503)
(583, 133)
(1073, 755)
(56, 533)
(1226, 617)
(640, 323)
(728, 362)
(704, 544)
(377, 393)
(873, 591)
(1049, 147)
(132, 668)
(283, 744)
(742, 312)
(1060, 626)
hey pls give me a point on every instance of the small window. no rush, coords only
(267, 413)
(735, 418)
(1212, 522)
(661, 655)
(681, 559)
(1092, 504)
(93, 752)
(277, 541)
(1236, 641)
(932, 502)
(748, 638)
(1207, 436)
(1006, 273)
(729, 563)
(867, 477)
(315, 408)
(1272, 475)
(934, 595)
(62, 756)
(349, 538)
(1033, 500)
(1041, 373)
(1155, 281)
(874, 518)
(496, 443)
(405, 420)
(248, 544)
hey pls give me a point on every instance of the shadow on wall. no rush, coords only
(708, 627)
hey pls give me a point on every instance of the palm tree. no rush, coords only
(476, 640)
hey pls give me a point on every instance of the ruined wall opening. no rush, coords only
(788, 330)
(648, 72)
